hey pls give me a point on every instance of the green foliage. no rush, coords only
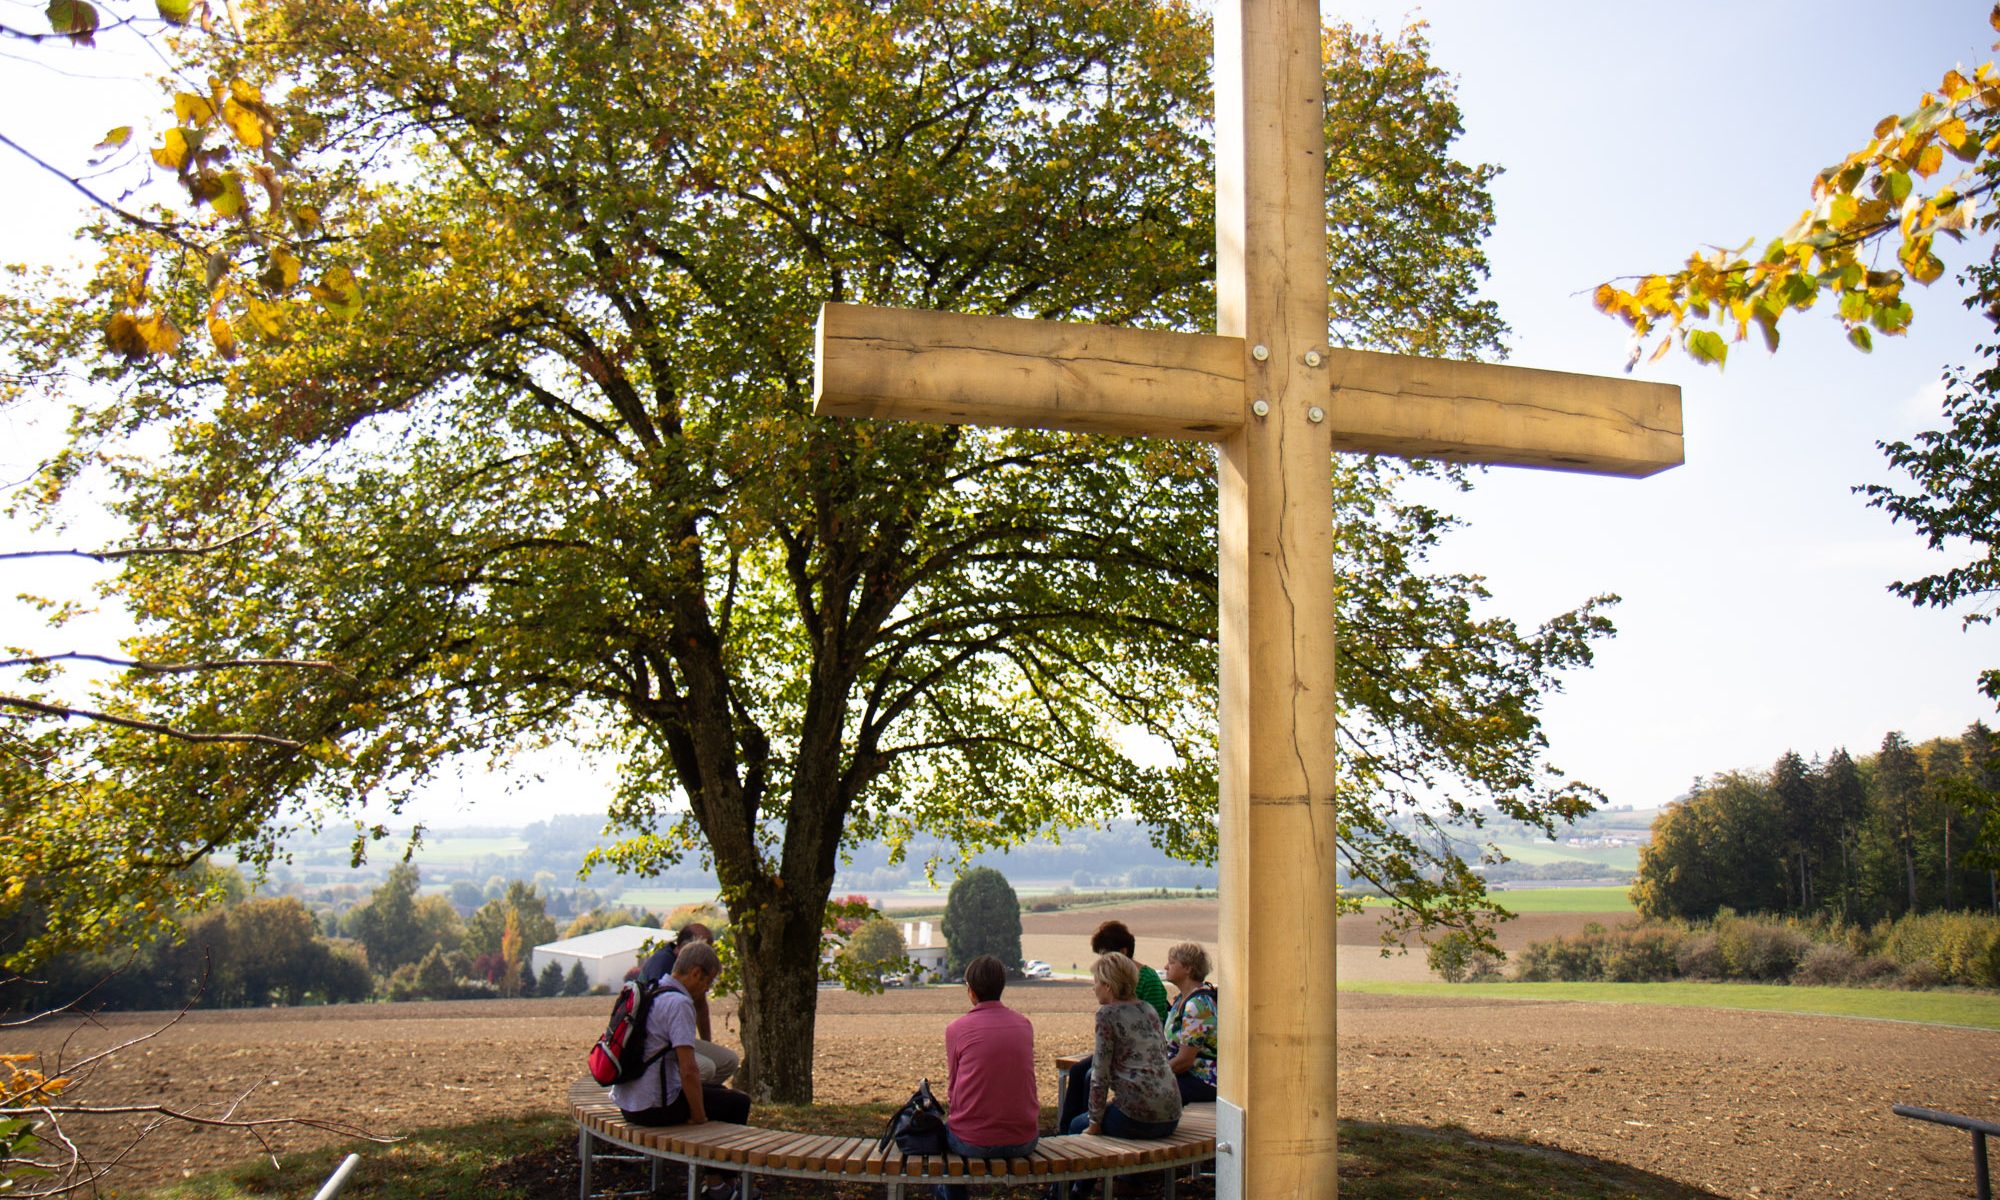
(875, 949)
(1952, 497)
(1912, 951)
(577, 983)
(982, 915)
(1456, 957)
(486, 928)
(1906, 830)
(557, 478)
(398, 926)
(1713, 850)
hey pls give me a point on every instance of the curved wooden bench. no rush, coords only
(749, 1150)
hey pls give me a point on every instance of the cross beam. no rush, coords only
(950, 368)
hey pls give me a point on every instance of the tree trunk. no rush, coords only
(777, 950)
(1910, 869)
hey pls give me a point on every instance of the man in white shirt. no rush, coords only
(670, 1091)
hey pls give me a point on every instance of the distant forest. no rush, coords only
(1909, 829)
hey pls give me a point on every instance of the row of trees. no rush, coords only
(247, 951)
(1912, 828)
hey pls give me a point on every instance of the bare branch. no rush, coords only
(137, 551)
(66, 712)
(153, 668)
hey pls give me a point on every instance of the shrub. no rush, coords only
(1643, 954)
(1873, 970)
(1921, 975)
(1455, 957)
(1828, 964)
(1962, 947)
(1699, 956)
(1760, 950)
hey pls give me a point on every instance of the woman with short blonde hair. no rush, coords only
(1118, 973)
(1129, 1060)
(1192, 1036)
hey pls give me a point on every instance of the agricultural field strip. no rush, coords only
(1952, 1010)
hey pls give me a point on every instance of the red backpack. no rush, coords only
(620, 1055)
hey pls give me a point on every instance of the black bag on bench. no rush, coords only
(918, 1126)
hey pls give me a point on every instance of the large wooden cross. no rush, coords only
(1277, 402)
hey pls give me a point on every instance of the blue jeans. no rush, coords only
(958, 1191)
(1118, 1125)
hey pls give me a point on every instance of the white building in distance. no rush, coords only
(607, 955)
(925, 951)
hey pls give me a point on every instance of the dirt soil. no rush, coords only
(1743, 1104)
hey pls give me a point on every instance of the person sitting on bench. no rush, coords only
(1191, 1023)
(990, 1055)
(671, 1092)
(717, 1062)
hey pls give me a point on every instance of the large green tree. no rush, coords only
(982, 915)
(548, 470)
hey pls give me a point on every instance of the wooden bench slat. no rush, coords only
(809, 1150)
(757, 1152)
(716, 1142)
(876, 1160)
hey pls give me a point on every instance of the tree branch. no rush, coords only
(65, 712)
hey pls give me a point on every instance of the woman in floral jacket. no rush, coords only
(1191, 1023)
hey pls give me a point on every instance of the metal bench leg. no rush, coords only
(1173, 1177)
(694, 1181)
(583, 1149)
(1982, 1184)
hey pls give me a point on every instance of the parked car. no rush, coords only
(1035, 968)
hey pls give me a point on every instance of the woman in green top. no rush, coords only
(1113, 937)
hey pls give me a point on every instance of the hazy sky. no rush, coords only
(1755, 616)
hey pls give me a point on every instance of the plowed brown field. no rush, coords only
(1744, 1104)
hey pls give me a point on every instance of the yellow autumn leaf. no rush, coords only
(245, 93)
(228, 197)
(1929, 159)
(244, 122)
(136, 337)
(267, 317)
(281, 271)
(172, 153)
(115, 138)
(160, 334)
(219, 330)
(193, 109)
(339, 292)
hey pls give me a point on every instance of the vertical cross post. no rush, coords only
(1279, 926)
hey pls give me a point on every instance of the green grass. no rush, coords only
(1553, 900)
(535, 1156)
(1945, 1007)
(1623, 858)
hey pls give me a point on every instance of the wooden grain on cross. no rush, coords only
(950, 368)
(1277, 403)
